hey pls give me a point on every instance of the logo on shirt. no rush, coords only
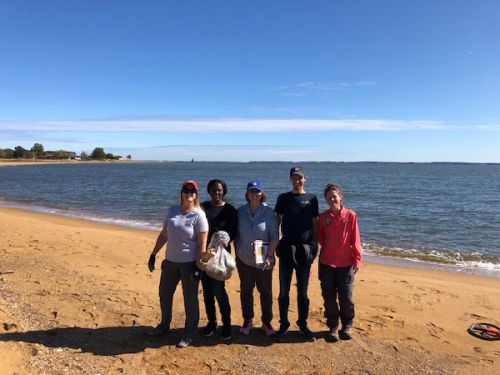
(328, 221)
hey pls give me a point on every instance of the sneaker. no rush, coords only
(345, 334)
(159, 330)
(282, 331)
(225, 332)
(185, 342)
(333, 335)
(268, 329)
(306, 332)
(247, 326)
(210, 329)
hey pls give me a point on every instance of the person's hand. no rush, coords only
(268, 262)
(151, 262)
(356, 270)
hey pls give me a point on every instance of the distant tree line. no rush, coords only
(38, 152)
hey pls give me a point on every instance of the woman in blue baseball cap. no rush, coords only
(258, 229)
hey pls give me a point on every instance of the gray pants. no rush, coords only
(249, 277)
(188, 274)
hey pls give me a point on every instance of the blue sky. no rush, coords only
(254, 80)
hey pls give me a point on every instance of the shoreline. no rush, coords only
(369, 257)
(77, 297)
(41, 162)
(11, 162)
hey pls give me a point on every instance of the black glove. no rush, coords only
(151, 262)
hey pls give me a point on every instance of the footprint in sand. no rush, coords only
(434, 330)
(385, 308)
(9, 326)
(399, 323)
(92, 316)
(475, 316)
(374, 323)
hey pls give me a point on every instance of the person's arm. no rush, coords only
(315, 216)
(356, 249)
(315, 229)
(279, 220)
(201, 230)
(232, 224)
(320, 232)
(160, 242)
(273, 233)
(279, 214)
(202, 244)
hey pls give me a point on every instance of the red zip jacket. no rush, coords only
(339, 238)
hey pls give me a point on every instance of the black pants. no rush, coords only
(249, 278)
(337, 283)
(171, 274)
(216, 289)
(302, 270)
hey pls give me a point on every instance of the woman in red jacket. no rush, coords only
(339, 260)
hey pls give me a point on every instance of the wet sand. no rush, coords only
(76, 297)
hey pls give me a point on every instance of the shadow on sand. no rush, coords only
(108, 341)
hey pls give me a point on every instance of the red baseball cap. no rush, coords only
(190, 182)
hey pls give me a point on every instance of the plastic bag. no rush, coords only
(218, 263)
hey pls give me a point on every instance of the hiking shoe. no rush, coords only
(225, 332)
(333, 335)
(282, 331)
(159, 330)
(268, 329)
(345, 334)
(185, 342)
(246, 327)
(306, 332)
(210, 329)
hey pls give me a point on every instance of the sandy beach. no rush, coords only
(76, 297)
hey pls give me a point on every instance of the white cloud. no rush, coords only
(321, 89)
(233, 125)
(226, 153)
(230, 125)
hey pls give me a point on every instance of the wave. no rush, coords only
(68, 212)
(449, 260)
(468, 262)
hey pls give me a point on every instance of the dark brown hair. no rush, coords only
(331, 186)
(263, 197)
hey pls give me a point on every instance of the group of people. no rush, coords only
(188, 226)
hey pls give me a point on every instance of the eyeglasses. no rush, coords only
(188, 190)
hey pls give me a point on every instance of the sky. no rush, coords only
(289, 80)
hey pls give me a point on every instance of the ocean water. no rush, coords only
(442, 214)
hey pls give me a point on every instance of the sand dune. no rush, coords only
(77, 297)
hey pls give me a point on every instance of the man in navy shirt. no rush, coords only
(297, 213)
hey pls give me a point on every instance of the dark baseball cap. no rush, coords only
(297, 170)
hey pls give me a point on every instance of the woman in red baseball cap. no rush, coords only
(185, 232)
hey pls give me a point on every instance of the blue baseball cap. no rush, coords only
(255, 185)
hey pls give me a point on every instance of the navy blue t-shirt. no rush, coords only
(298, 210)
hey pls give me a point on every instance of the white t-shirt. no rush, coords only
(182, 244)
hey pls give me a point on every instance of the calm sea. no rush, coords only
(442, 213)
